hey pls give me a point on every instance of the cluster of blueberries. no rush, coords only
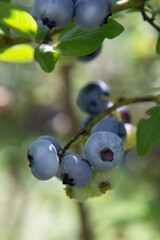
(89, 14)
(95, 173)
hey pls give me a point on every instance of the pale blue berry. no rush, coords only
(91, 14)
(54, 13)
(51, 140)
(75, 171)
(111, 125)
(43, 160)
(104, 150)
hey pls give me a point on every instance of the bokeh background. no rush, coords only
(34, 103)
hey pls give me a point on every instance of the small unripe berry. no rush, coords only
(131, 136)
(104, 181)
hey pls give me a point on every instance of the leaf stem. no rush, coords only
(84, 131)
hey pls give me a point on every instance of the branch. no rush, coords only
(117, 7)
(127, 4)
(85, 130)
(150, 20)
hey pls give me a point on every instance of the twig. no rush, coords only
(127, 4)
(150, 20)
(123, 102)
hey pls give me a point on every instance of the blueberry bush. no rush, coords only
(90, 159)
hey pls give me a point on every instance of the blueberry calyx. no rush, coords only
(48, 23)
(93, 103)
(30, 158)
(67, 180)
(106, 155)
(104, 186)
(69, 192)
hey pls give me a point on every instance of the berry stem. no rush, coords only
(120, 103)
(117, 7)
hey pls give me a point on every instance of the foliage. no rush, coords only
(71, 41)
(27, 117)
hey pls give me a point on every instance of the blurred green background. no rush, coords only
(33, 103)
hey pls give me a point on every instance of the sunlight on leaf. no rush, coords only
(19, 20)
(18, 53)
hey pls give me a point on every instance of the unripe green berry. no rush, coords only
(104, 181)
(79, 194)
(131, 136)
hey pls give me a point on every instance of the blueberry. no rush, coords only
(42, 156)
(111, 125)
(79, 194)
(54, 13)
(75, 171)
(91, 56)
(131, 136)
(91, 14)
(52, 140)
(90, 97)
(124, 113)
(86, 120)
(104, 150)
(104, 181)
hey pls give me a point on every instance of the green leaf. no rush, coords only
(4, 30)
(18, 20)
(77, 42)
(47, 57)
(158, 45)
(18, 53)
(156, 11)
(43, 30)
(148, 131)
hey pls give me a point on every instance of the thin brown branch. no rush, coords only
(150, 20)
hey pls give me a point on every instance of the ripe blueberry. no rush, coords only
(75, 171)
(91, 56)
(91, 14)
(86, 120)
(111, 125)
(90, 97)
(52, 140)
(104, 150)
(54, 13)
(43, 160)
